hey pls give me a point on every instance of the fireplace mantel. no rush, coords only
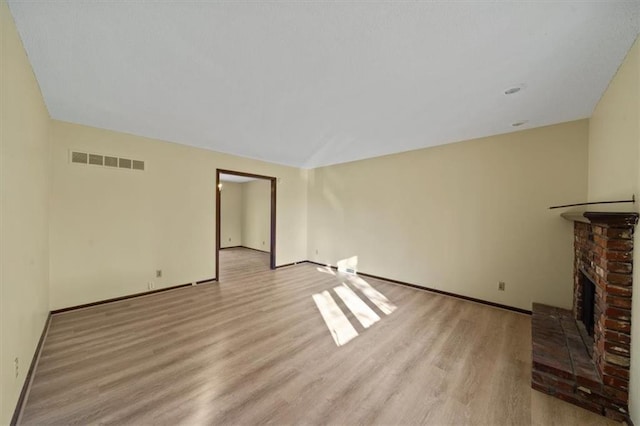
(604, 218)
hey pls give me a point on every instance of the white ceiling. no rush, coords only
(310, 83)
(235, 178)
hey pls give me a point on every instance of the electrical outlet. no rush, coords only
(263, 243)
(501, 285)
(16, 363)
(158, 273)
(150, 285)
(316, 251)
(229, 239)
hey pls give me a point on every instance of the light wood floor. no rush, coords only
(255, 349)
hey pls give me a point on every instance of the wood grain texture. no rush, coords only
(254, 349)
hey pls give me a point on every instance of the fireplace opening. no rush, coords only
(588, 303)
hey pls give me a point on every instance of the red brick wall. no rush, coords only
(604, 252)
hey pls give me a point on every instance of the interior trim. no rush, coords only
(129, 296)
(208, 280)
(433, 290)
(26, 386)
(254, 249)
(289, 264)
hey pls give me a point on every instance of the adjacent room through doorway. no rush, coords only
(245, 223)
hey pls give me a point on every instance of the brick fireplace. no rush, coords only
(582, 355)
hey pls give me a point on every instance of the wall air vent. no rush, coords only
(79, 157)
(96, 159)
(106, 161)
(124, 163)
(110, 161)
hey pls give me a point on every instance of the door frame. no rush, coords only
(272, 245)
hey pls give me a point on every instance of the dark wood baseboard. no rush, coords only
(290, 264)
(248, 248)
(433, 290)
(27, 380)
(117, 299)
(206, 281)
(251, 248)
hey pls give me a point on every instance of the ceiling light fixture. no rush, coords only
(520, 123)
(514, 89)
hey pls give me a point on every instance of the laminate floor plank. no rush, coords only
(255, 349)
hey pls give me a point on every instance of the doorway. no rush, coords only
(272, 212)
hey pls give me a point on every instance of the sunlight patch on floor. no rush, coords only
(361, 310)
(372, 294)
(341, 329)
(339, 325)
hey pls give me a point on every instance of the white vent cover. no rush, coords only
(106, 161)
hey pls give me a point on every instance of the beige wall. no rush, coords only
(614, 132)
(24, 214)
(614, 164)
(231, 214)
(256, 214)
(112, 229)
(459, 217)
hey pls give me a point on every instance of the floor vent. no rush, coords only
(106, 161)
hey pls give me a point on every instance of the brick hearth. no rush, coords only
(592, 372)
